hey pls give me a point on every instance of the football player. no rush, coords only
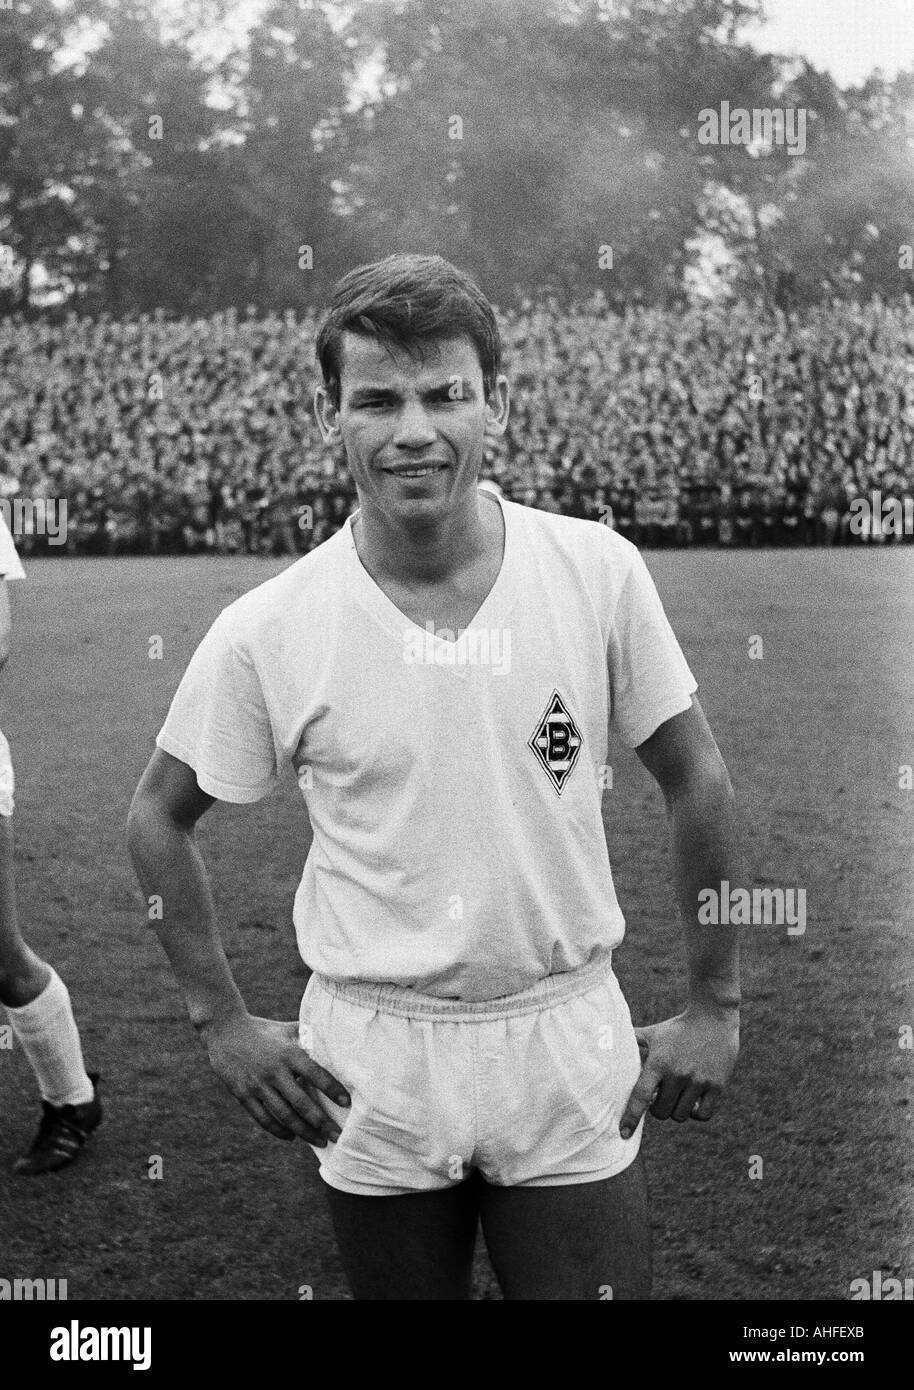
(444, 674)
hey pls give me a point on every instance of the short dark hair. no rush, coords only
(404, 301)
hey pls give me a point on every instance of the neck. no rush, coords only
(431, 553)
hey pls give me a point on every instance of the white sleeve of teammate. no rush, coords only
(10, 564)
(649, 677)
(219, 724)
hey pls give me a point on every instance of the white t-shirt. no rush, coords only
(455, 789)
(10, 564)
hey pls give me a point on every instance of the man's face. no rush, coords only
(413, 426)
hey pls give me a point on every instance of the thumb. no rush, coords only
(642, 1095)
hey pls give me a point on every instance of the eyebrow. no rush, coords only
(441, 388)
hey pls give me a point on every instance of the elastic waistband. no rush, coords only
(410, 1003)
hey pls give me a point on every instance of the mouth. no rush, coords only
(426, 470)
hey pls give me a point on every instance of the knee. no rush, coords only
(23, 975)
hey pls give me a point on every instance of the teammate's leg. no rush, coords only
(23, 974)
(418, 1246)
(577, 1241)
(38, 1007)
(37, 1000)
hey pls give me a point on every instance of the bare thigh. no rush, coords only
(419, 1246)
(582, 1241)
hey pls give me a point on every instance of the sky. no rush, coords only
(849, 38)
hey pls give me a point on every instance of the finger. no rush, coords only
(305, 1067)
(671, 1088)
(265, 1120)
(290, 1118)
(638, 1101)
(684, 1108)
(303, 1101)
(707, 1104)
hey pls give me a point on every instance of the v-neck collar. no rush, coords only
(491, 611)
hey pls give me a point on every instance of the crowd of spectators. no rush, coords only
(724, 426)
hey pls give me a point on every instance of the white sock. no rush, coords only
(47, 1031)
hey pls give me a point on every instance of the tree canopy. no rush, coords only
(550, 146)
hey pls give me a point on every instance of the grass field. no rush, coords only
(814, 734)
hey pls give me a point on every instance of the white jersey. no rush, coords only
(10, 568)
(454, 789)
(10, 564)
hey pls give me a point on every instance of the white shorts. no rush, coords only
(6, 778)
(529, 1089)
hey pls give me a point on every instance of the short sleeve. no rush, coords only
(10, 564)
(218, 722)
(649, 677)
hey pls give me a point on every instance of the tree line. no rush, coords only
(559, 146)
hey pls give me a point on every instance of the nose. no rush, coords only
(414, 428)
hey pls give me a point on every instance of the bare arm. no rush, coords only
(685, 761)
(259, 1060)
(688, 1060)
(160, 836)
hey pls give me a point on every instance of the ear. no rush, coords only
(327, 416)
(497, 407)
